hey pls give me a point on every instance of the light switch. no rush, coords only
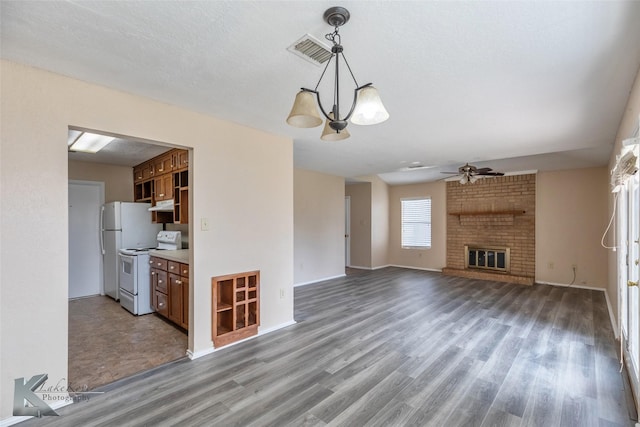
(204, 224)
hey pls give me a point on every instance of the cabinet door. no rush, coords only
(175, 298)
(147, 170)
(162, 164)
(161, 284)
(137, 174)
(185, 302)
(181, 159)
(160, 303)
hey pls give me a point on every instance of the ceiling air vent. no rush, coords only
(311, 49)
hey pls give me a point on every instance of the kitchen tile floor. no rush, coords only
(107, 343)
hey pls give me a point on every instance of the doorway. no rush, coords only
(628, 242)
(107, 342)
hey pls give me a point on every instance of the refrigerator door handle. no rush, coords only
(102, 230)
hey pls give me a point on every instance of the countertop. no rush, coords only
(180, 255)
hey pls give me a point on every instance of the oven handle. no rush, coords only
(128, 258)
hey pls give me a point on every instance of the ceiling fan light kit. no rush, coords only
(470, 174)
(366, 107)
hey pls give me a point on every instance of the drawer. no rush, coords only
(173, 267)
(159, 263)
(184, 270)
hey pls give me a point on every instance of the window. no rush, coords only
(416, 223)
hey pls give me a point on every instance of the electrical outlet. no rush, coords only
(550, 266)
(281, 293)
(204, 224)
(574, 266)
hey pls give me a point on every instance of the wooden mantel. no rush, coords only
(488, 213)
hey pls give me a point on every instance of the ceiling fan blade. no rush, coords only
(480, 170)
(490, 173)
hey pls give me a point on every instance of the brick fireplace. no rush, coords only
(496, 212)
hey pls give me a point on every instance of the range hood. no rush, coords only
(163, 206)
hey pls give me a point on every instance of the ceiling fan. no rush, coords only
(470, 173)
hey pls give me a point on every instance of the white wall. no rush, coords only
(571, 215)
(242, 181)
(434, 258)
(318, 223)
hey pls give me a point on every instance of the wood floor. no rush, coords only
(393, 347)
(107, 343)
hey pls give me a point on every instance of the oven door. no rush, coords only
(128, 273)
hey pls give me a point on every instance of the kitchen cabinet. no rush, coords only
(163, 164)
(170, 290)
(180, 159)
(235, 307)
(163, 187)
(165, 177)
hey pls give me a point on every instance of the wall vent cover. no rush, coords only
(311, 49)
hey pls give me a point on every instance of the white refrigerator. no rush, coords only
(125, 225)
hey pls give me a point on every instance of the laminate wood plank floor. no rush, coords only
(393, 347)
(107, 343)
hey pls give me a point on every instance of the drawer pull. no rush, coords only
(151, 262)
(171, 268)
(179, 282)
(159, 264)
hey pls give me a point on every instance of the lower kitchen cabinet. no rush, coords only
(170, 290)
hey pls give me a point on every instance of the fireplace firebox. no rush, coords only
(487, 258)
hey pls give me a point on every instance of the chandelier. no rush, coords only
(366, 107)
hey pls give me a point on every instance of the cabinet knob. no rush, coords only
(161, 195)
(171, 268)
(160, 281)
(150, 262)
(179, 282)
(159, 264)
(161, 304)
(184, 271)
(153, 273)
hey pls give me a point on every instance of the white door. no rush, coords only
(85, 259)
(347, 231)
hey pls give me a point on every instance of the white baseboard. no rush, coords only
(311, 282)
(357, 267)
(436, 270)
(261, 332)
(18, 419)
(197, 354)
(614, 324)
(567, 285)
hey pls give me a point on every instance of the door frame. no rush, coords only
(347, 231)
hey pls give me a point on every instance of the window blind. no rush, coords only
(416, 223)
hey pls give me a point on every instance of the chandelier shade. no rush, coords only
(304, 113)
(366, 107)
(329, 134)
(369, 109)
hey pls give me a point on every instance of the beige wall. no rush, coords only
(626, 129)
(360, 194)
(318, 224)
(242, 181)
(571, 216)
(118, 180)
(435, 257)
(379, 222)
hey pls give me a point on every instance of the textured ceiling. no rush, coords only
(510, 85)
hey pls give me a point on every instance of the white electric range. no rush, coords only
(135, 285)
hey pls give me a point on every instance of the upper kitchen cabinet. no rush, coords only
(180, 159)
(161, 179)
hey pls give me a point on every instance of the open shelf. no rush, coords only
(488, 213)
(236, 307)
